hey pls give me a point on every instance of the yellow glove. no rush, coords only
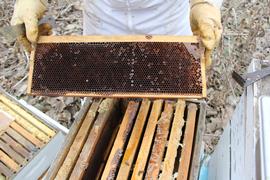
(205, 22)
(29, 12)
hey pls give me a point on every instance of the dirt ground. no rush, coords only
(243, 22)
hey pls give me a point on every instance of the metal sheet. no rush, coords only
(265, 136)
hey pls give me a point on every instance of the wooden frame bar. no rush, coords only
(123, 38)
(53, 170)
(26, 134)
(120, 141)
(26, 124)
(27, 116)
(160, 141)
(133, 143)
(12, 153)
(141, 162)
(78, 143)
(188, 142)
(106, 112)
(119, 38)
(174, 140)
(22, 140)
(15, 145)
(5, 170)
(9, 162)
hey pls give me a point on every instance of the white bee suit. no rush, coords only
(119, 17)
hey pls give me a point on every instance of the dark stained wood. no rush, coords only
(134, 140)
(106, 110)
(121, 140)
(160, 141)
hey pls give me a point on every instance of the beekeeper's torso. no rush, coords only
(137, 17)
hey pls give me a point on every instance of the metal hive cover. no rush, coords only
(118, 66)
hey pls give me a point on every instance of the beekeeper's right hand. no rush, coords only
(29, 12)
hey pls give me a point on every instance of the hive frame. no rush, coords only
(120, 38)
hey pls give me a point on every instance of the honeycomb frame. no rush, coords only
(188, 44)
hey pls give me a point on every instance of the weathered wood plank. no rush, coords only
(78, 143)
(15, 145)
(5, 170)
(26, 134)
(27, 116)
(198, 141)
(26, 125)
(188, 142)
(121, 139)
(53, 170)
(133, 143)
(107, 153)
(8, 161)
(141, 161)
(174, 140)
(11, 153)
(106, 110)
(160, 141)
(20, 139)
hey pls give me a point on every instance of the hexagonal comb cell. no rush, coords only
(118, 69)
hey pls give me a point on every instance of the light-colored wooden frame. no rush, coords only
(128, 38)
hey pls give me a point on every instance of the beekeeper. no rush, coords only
(119, 17)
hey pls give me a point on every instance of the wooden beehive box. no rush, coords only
(146, 140)
(23, 137)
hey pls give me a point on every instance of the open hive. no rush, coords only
(118, 66)
(149, 140)
(22, 137)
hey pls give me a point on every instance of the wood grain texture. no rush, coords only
(123, 38)
(9, 162)
(126, 95)
(78, 143)
(120, 141)
(31, 70)
(106, 110)
(27, 116)
(12, 153)
(22, 140)
(5, 170)
(107, 153)
(160, 141)
(26, 124)
(134, 140)
(184, 166)
(198, 141)
(30, 137)
(141, 161)
(15, 145)
(174, 140)
(54, 168)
